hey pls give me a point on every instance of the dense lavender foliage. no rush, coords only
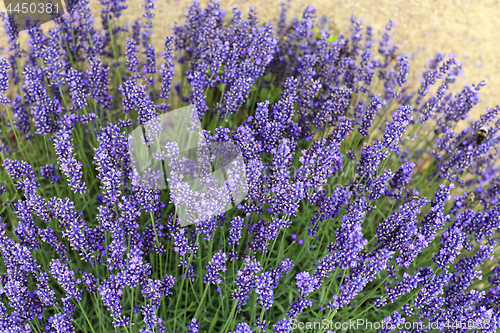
(364, 200)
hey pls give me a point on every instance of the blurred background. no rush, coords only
(424, 27)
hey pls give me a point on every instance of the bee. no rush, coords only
(471, 197)
(412, 198)
(481, 135)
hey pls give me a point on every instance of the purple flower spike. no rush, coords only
(98, 82)
(193, 326)
(213, 268)
(242, 328)
(131, 58)
(76, 88)
(66, 158)
(370, 112)
(396, 128)
(4, 80)
(404, 69)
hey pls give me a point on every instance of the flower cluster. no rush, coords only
(359, 190)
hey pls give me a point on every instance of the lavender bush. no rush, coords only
(365, 200)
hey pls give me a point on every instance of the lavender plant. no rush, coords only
(365, 198)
